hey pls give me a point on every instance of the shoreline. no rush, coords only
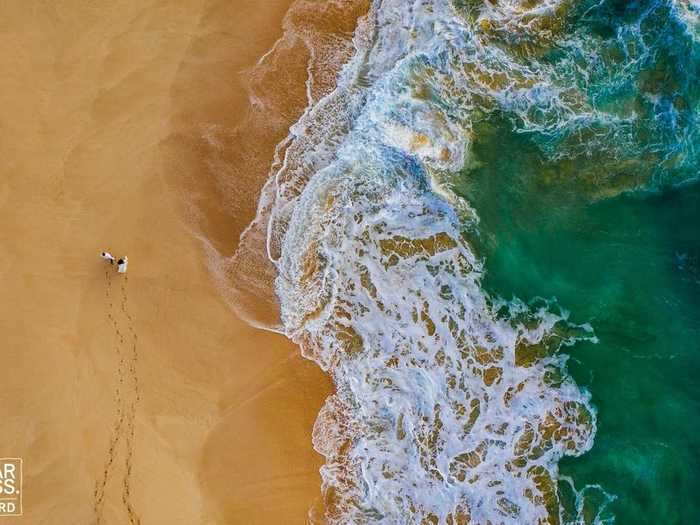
(223, 424)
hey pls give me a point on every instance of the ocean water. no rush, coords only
(486, 233)
(629, 266)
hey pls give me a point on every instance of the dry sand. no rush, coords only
(95, 99)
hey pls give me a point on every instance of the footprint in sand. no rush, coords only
(125, 401)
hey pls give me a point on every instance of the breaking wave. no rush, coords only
(452, 406)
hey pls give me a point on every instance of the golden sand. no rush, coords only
(104, 108)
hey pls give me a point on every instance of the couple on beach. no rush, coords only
(121, 263)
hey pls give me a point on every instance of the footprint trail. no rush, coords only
(126, 398)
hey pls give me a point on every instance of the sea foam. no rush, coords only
(452, 406)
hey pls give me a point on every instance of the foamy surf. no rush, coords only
(452, 406)
(688, 11)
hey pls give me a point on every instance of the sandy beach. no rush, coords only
(102, 102)
(476, 220)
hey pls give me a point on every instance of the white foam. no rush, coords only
(449, 402)
(688, 12)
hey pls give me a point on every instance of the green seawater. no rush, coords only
(630, 266)
(609, 226)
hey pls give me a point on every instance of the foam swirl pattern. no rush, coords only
(452, 406)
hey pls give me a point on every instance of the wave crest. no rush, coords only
(452, 406)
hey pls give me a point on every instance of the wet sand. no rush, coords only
(104, 109)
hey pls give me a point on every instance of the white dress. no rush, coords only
(121, 267)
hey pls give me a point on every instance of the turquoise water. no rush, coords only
(614, 238)
(570, 131)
